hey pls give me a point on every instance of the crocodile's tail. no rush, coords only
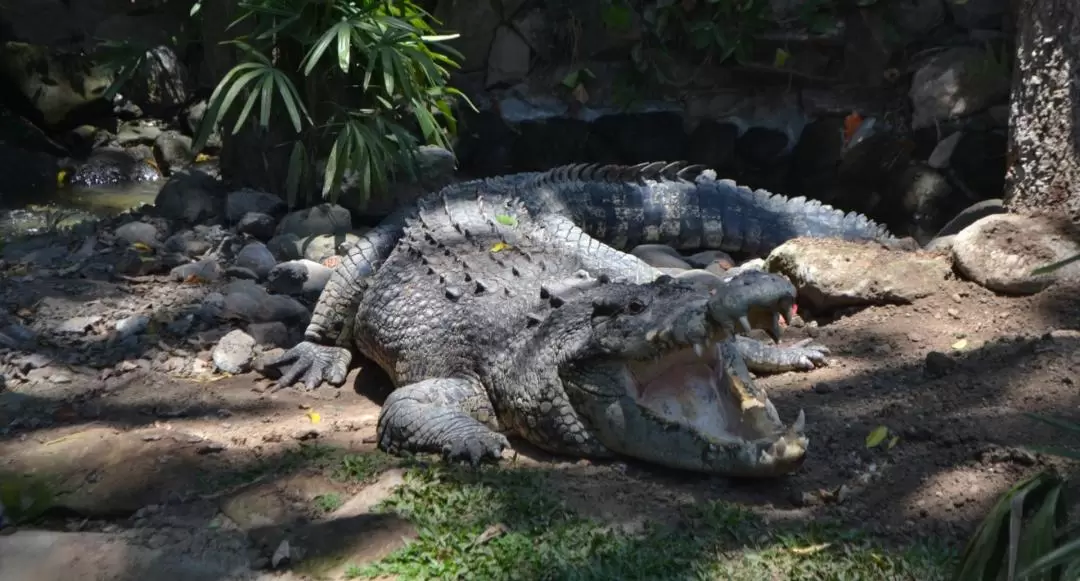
(687, 207)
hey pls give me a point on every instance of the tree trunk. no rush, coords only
(1043, 173)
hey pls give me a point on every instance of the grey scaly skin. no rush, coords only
(595, 210)
(491, 321)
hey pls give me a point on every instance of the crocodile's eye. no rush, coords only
(635, 307)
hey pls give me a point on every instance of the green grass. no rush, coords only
(504, 524)
(337, 463)
(329, 502)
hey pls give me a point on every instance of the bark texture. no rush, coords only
(1044, 139)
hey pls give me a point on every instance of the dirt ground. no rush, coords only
(950, 376)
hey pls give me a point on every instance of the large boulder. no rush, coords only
(161, 84)
(191, 196)
(1001, 251)
(109, 166)
(956, 82)
(831, 273)
(54, 83)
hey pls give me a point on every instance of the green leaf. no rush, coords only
(312, 57)
(1066, 553)
(388, 71)
(1040, 531)
(238, 85)
(781, 58)
(296, 171)
(1055, 265)
(439, 37)
(248, 105)
(266, 96)
(291, 97)
(982, 557)
(506, 220)
(617, 17)
(344, 47)
(571, 79)
(876, 436)
(1067, 425)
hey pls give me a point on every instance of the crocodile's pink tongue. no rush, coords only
(687, 394)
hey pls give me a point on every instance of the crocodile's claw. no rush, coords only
(312, 364)
(752, 300)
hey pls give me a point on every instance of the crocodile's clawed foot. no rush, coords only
(477, 448)
(805, 355)
(312, 364)
(764, 358)
(753, 300)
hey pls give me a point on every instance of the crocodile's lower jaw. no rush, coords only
(694, 388)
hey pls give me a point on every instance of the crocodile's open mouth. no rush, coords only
(699, 389)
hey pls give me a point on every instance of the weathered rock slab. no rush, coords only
(833, 273)
(30, 555)
(1000, 252)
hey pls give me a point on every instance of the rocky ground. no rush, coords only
(129, 406)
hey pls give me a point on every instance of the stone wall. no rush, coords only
(897, 109)
(75, 24)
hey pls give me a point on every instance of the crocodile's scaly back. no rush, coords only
(686, 207)
(681, 205)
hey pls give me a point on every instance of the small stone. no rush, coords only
(257, 225)
(234, 352)
(242, 202)
(139, 233)
(281, 555)
(273, 333)
(187, 243)
(298, 277)
(239, 272)
(78, 325)
(132, 325)
(199, 272)
(323, 219)
(1064, 334)
(938, 364)
(257, 258)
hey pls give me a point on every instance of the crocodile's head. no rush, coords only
(654, 374)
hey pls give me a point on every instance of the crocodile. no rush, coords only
(502, 304)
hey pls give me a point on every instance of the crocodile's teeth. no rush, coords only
(774, 331)
(785, 312)
(744, 322)
(766, 458)
(800, 423)
(699, 349)
(651, 335)
(779, 448)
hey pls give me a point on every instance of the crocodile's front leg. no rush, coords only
(449, 416)
(763, 358)
(325, 353)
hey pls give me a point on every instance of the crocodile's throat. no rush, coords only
(695, 388)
